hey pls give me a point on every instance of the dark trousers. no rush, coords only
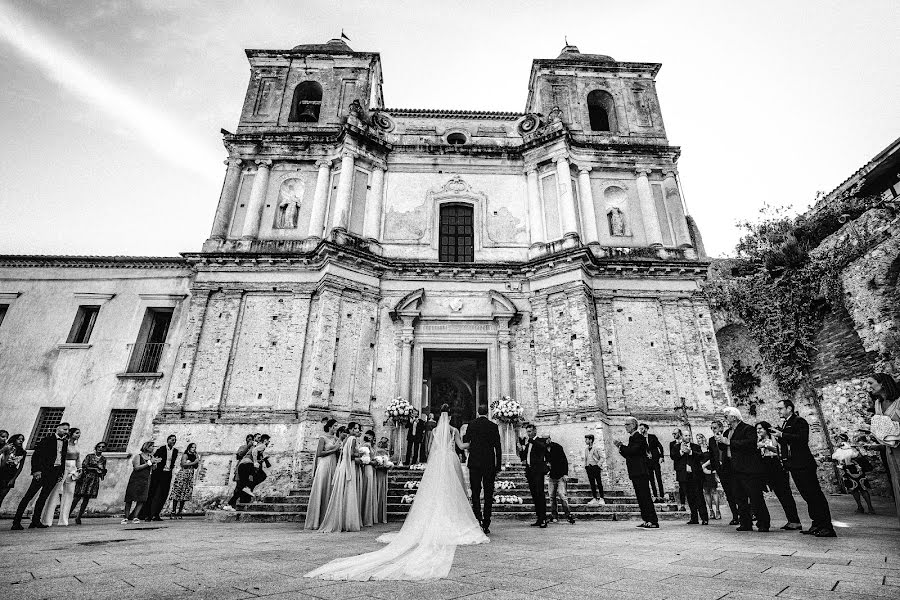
(593, 475)
(778, 482)
(245, 472)
(748, 489)
(656, 479)
(645, 500)
(5, 487)
(538, 495)
(45, 485)
(694, 490)
(727, 479)
(482, 479)
(808, 485)
(682, 493)
(415, 450)
(160, 494)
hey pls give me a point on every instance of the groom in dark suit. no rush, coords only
(533, 451)
(485, 453)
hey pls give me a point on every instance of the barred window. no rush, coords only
(118, 431)
(48, 420)
(457, 238)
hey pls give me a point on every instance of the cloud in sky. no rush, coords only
(162, 134)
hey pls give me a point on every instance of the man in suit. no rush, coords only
(47, 467)
(722, 465)
(161, 479)
(679, 462)
(559, 468)
(415, 433)
(635, 453)
(749, 471)
(654, 457)
(485, 457)
(692, 477)
(533, 452)
(793, 437)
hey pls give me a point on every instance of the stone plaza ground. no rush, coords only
(197, 559)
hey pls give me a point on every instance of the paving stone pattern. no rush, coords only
(230, 561)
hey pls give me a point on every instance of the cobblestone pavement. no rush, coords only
(196, 559)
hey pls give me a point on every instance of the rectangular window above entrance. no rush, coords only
(457, 233)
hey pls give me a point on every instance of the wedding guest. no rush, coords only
(138, 489)
(368, 500)
(342, 513)
(414, 436)
(679, 464)
(47, 464)
(885, 394)
(93, 470)
(430, 424)
(4, 437)
(850, 461)
(559, 468)
(793, 437)
(776, 477)
(692, 478)
(381, 481)
(654, 456)
(592, 460)
(710, 484)
(64, 492)
(723, 467)
(12, 460)
(749, 472)
(247, 468)
(324, 463)
(259, 473)
(533, 453)
(635, 453)
(161, 480)
(183, 484)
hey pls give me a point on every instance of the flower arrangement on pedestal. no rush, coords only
(399, 411)
(507, 410)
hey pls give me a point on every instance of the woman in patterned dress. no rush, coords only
(183, 486)
(93, 470)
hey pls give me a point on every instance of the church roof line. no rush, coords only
(88, 261)
(436, 113)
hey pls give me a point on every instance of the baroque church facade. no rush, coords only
(360, 253)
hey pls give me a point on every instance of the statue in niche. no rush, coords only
(616, 219)
(290, 197)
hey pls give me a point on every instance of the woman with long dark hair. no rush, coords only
(885, 394)
(183, 485)
(324, 462)
(93, 470)
(64, 492)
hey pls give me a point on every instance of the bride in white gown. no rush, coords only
(439, 520)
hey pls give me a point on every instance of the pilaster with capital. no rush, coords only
(535, 214)
(407, 335)
(257, 199)
(503, 340)
(675, 206)
(320, 199)
(227, 199)
(586, 201)
(566, 198)
(374, 203)
(648, 208)
(341, 215)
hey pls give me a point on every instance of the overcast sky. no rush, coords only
(111, 110)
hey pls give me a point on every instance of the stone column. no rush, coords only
(341, 212)
(586, 201)
(406, 340)
(320, 199)
(535, 214)
(566, 201)
(227, 199)
(676, 210)
(257, 199)
(648, 209)
(503, 339)
(372, 227)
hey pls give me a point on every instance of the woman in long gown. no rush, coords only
(342, 513)
(381, 482)
(323, 471)
(64, 492)
(885, 393)
(367, 491)
(439, 520)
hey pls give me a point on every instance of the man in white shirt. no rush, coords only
(161, 480)
(592, 460)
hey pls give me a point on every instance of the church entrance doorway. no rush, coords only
(456, 378)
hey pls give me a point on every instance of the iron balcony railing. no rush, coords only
(144, 357)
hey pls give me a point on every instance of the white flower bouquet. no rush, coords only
(507, 499)
(507, 410)
(504, 485)
(399, 411)
(408, 498)
(418, 467)
(411, 485)
(383, 462)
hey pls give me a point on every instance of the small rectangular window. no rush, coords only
(118, 430)
(3, 309)
(48, 420)
(83, 325)
(151, 342)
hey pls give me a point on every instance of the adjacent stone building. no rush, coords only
(361, 253)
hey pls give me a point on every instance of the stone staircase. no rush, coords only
(620, 505)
